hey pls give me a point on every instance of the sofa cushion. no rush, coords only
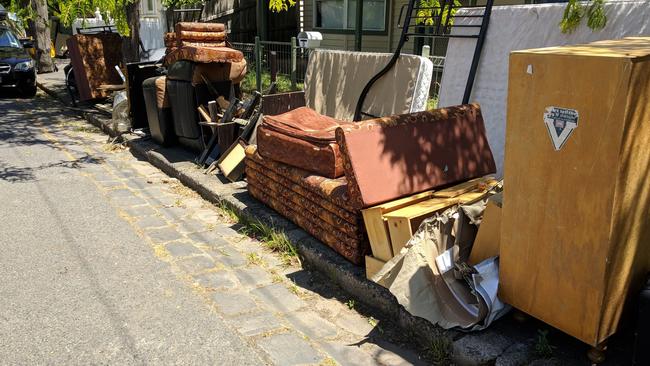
(214, 72)
(162, 99)
(204, 55)
(304, 139)
(199, 27)
(391, 157)
(201, 36)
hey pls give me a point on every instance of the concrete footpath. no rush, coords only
(387, 330)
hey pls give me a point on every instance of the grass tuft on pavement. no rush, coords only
(271, 238)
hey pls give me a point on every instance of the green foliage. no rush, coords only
(439, 351)
(272, 239)
(596, 14)
(282, 83)
(176, 4)
(277, 6)
(69, 10)
(350, 303)
(575, 11)
(432, 103)
(543, 347)
(430, 9)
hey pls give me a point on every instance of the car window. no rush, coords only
(7, 39)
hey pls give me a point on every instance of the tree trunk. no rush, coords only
(131, 44)
(39, 29)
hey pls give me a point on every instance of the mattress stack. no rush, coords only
(319, 205)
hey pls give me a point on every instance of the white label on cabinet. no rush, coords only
(560, 122)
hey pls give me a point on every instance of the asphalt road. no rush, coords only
(77, 283)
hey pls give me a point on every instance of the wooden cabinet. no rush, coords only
(575, 233)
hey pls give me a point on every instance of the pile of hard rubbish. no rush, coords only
(411, 194)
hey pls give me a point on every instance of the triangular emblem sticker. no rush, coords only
(560, 123)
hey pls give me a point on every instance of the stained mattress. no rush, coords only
(311, 202)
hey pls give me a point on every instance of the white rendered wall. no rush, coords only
(516, 28)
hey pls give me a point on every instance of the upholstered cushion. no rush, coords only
(215, 44)
(310, 201)
(162, 99)
(335, 79)
(332, 190)
(214, 72)
(204, 55)
(391, 157)
(201, 36)
(199, 27)
(170, 39)
(304, 139)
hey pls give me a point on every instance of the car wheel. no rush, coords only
(28, 91)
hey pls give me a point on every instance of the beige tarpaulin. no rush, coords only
(426, 281)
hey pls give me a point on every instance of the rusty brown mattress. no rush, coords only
(306, 200)
(334, 190)
(331, 215)
(351, 249)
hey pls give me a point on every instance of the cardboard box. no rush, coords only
(575, 233)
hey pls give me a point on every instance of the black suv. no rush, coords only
(16, 65)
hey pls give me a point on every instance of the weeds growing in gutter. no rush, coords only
(440, 351)
(543, 348)
(270, 238)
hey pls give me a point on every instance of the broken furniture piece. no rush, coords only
(404, 222)
(159, 114)
(136, 74)
(304, 135)
(575, 234)
(391, 225)
(93, 57)
(488, 237)
(319, 205)
(412, 153)
(231, 162)
(230, 121)
(190, 65)
(333, 205)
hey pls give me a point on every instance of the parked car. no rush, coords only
(16, 65)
